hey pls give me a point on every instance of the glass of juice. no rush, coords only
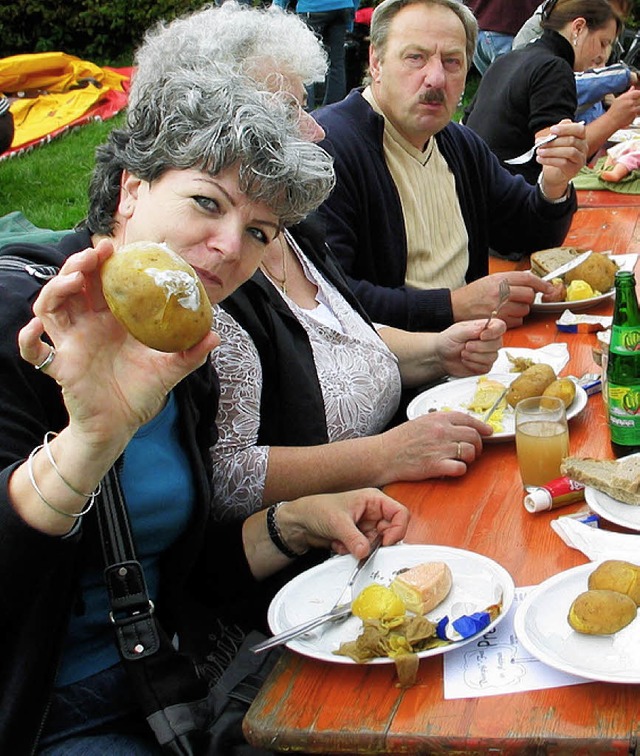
(542, 439)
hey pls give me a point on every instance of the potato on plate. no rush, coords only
(601, 612)
(562, 388)
(617, 575)
(532, 382)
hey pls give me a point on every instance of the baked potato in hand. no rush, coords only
(601, 612)
(156, 296)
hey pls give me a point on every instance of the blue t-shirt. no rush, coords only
(158, 486)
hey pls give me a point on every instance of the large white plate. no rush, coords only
(625, 262)
(476, 579)
(627, 515)
(542, 627)
(578, 305)
(458, 394)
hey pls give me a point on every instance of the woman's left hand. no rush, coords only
(468, 348)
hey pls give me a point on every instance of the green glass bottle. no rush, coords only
(623, 368)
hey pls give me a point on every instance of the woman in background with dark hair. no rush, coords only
(526, 91)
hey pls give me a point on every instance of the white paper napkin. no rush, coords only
(597, 544)
(556, 355)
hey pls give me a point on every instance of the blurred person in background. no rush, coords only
(498, 23)
(528, 90)
(595, 87)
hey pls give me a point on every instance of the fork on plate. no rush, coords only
(339, 611)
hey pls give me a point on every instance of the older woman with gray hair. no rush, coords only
(308, 385)
(213, 168)
(276, 49)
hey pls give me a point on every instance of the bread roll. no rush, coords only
(619, 479)
(424, 586)
(157, 296)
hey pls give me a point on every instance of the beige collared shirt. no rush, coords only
(437, 240)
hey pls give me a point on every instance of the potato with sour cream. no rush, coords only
(157, 296)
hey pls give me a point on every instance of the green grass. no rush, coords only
(49, 184)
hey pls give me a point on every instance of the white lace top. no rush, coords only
(358, 376)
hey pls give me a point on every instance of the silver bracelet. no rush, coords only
(41, 495)
(47, 449)
(557, 201)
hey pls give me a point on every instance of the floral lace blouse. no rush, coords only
(358, 375)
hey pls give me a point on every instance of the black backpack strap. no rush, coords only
(131, 608)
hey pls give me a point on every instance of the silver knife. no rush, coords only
(494, 406)
(341, 609)
(567, 266)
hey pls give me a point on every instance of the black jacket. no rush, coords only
(38, 572)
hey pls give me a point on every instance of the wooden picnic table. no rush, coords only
(311, 706)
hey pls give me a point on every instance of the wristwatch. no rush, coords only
(557, 201)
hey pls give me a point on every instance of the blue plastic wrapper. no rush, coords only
(462, 627)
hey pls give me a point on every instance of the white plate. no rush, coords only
(458, 394)
(625, 262)
(576, 306)
(542, 627)
(627, 515)
(476, 579)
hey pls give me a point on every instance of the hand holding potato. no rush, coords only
(94, 350)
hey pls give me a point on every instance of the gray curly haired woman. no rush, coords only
(213, 168)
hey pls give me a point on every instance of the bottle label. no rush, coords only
(625, 340)
(624, 414)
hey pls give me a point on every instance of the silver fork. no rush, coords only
(526, 156)
(340, 610)
(503, 295)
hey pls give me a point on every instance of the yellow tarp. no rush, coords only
(59, 88)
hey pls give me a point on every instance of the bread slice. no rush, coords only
(546, 260)
(424, 586)
(620, 478)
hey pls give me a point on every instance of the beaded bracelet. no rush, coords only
(32, 478)
(47, 449)
(276, 535)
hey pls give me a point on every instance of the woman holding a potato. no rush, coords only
(213, 168)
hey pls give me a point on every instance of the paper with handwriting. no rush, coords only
(496, 664)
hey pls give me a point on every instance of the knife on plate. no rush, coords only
(341, 609)
(494, 406)
(567, 266)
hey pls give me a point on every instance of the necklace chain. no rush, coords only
(282, 282)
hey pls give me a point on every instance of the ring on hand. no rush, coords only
(459, 450)
(47, 360)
